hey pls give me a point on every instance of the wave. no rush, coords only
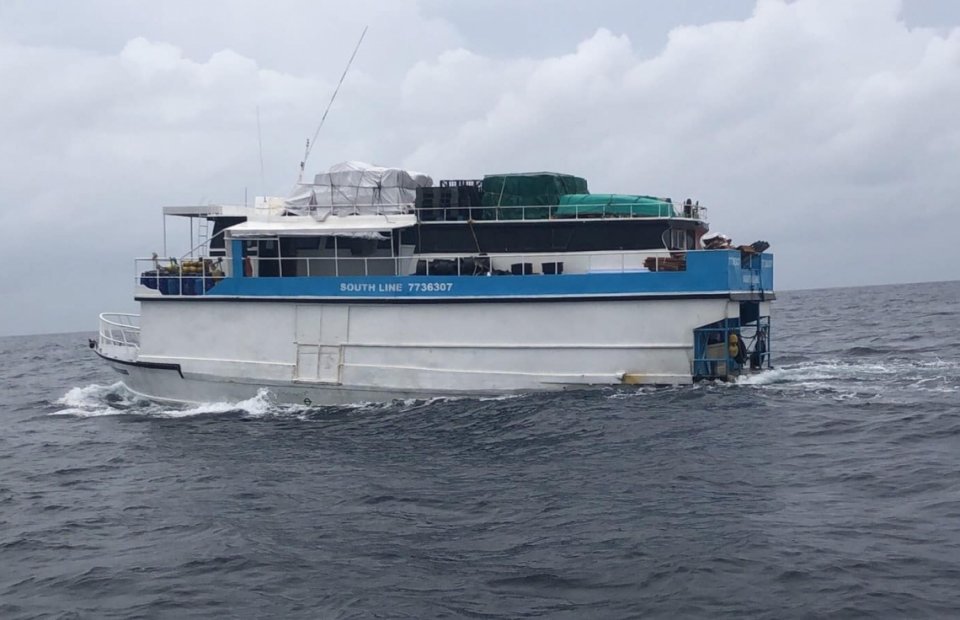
(836, 378)
(897, 351)
(96, 400)
(258, 406)
(879, 377)
(105, 400)
(806, 372)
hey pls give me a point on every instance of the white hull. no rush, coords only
(329, 353)
(168, 386)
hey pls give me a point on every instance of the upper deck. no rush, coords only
(701, 273)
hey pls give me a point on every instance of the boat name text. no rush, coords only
(395, 287)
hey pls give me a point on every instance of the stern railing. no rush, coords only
(120, 329)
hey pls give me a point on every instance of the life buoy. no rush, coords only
(736, 349)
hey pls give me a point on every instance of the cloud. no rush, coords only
(97, 143)
(828, 128)
(819, 125)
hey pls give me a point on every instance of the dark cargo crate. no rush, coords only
(438, 204)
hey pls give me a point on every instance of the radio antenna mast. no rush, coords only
(260, 146)
(310, 143)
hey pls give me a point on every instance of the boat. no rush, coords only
(369, 284)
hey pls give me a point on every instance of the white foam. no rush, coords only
(936, 384)
(88, 413)
(881, 377)
(938, 363)
(91, 401)
(500, 397)
(260, 405)
(818, 372)
(413, 404)
(90, 396)
(94, 400)
(623, 393)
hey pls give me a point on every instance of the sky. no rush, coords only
(830, 128)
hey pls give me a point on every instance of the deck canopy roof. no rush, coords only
(211, 210)
(332, 225)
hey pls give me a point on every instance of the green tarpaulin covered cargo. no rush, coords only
(613, 205)
(504, 192)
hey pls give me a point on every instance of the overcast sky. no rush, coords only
(830, 128)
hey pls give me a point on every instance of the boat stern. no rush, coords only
(119, 337)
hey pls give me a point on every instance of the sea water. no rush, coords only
(829, 486)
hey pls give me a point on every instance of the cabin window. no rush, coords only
(217, 244)
(677, 239)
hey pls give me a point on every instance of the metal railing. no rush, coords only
(455, 264)
(714, 358)
(494, 213)
(120, 329)
(352, 209)
(170, 276)
(176, 276)
(459, 213)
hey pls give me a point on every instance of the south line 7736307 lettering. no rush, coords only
(395, 287)
(429, 287)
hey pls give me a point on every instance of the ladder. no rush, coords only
(203, 236)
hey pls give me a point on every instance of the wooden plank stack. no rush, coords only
(666, 263)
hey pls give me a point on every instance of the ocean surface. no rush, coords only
(828, 487)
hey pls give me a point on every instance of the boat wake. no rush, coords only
(879, 378)
(842, 380)
(108, 400)
(830, 378)
(105, 400)
(96, 400)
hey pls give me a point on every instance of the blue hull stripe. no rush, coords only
(708, 274)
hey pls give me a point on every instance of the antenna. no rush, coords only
(310, 143)
(263, 185)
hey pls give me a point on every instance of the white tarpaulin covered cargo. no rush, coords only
(357, 187)
(365, 226)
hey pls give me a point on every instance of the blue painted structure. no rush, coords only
(708, 272)
(751, 334)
